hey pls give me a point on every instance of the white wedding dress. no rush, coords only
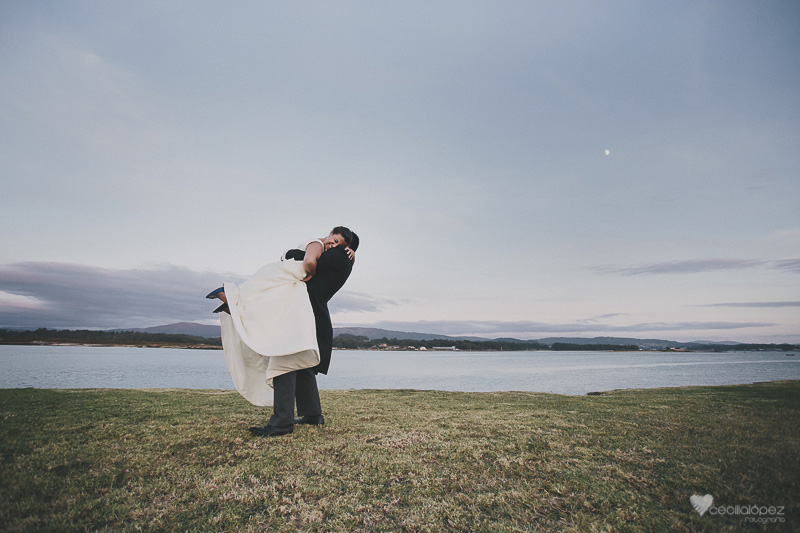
(270, 329)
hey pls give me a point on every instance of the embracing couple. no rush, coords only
(277, 332)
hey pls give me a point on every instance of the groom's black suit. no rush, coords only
(333, 269)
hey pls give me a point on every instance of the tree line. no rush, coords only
(85, 336)
(354, 342)
(745, 347)
(345, 341)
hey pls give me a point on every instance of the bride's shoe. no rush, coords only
(213, 294)
(223, 308)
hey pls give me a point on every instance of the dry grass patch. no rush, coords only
(398, 460)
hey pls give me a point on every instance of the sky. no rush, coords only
(513, 169)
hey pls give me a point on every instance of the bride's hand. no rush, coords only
(351, 254)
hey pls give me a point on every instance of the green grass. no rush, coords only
(159, 460)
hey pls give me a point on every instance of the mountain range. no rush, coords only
(211, 331)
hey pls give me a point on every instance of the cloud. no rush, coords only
(357, 302)
(65, 295)
(602, 317)
(792, 234)
(754, 304)
(695, 266)
(527, 329)
(790, 265)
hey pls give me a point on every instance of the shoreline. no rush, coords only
(606, 392)
(117, 345)
(201, 346)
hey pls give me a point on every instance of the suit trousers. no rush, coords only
(300, 385)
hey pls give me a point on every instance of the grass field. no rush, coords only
(401, 460)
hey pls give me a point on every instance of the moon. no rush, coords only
(608, 152)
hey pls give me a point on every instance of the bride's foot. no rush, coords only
(223, 309)
(215, 293)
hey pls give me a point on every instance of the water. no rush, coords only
(555, 372)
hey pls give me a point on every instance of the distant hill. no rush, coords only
(203, 330)
(377, 333)
(181, 328)
(643, 343)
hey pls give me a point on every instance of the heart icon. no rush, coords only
(701, 503)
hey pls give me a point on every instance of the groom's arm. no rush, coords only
(338, 259)
(295, 254)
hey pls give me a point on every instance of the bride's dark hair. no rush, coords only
(346, 234)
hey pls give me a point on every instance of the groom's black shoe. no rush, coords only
(310, 420)
(269, 431)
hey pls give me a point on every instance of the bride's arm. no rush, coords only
(313, 251)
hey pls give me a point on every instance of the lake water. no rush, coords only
(554, 372)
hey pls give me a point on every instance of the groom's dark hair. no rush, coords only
(354, 242)
(346, 234)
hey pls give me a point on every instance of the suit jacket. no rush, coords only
(333, 269)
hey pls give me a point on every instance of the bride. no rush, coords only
(268, 325)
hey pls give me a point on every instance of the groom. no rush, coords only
(333, 269)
